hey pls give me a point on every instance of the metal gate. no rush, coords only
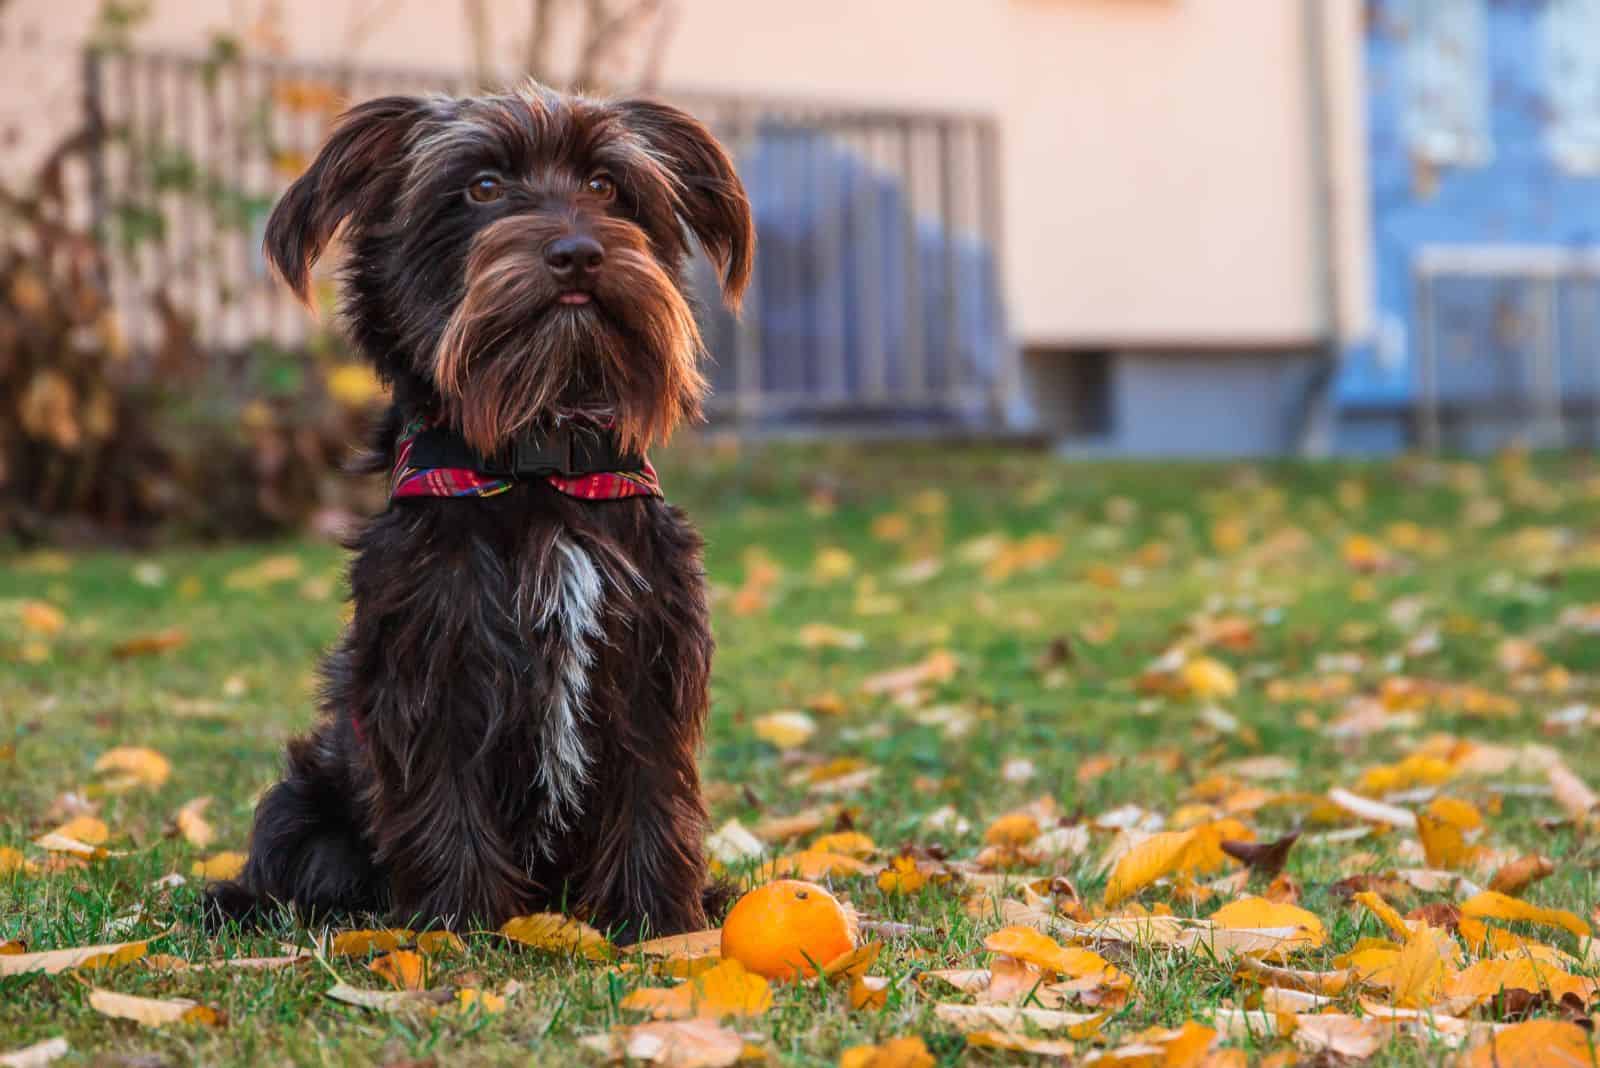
(1508, 343)
(877, 297)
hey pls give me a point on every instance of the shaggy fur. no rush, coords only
(511, 721)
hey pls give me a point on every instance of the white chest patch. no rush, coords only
(568, 617)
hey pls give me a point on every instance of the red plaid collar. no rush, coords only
(411, 481)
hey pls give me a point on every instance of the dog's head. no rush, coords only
(521, 256)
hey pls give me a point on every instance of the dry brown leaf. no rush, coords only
(1323, 984)
(1012, 1019)
(1352, 1037)
(1573, 794)
(725, 990)
(388, 1000)
(163, 641)
(37, 1055)
(1517, 876)
(671, 1043)
(54, 961)
(558, 933)
(939, 667)
(151, 1012)
(1264, 858)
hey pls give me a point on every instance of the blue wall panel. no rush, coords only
(1515, 193)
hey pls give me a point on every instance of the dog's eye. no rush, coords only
(485, 188)
(602, 186)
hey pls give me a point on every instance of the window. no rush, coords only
(1446, 81)
(1572, 72)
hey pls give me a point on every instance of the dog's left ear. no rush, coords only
(352, 178)
(714, 204)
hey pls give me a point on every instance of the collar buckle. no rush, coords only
(548, 455)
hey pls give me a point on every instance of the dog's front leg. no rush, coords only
(441, 839)
(649, 877)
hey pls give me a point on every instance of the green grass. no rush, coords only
(1498, 550)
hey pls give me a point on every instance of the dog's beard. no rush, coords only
(512, 357)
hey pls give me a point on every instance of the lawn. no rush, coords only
(991, 662)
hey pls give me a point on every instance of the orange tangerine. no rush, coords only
(787, 929)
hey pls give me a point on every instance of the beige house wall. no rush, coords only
(1160, 183)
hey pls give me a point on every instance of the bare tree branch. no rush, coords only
(655, 53)
(604, 31)
(536, 54)
(479, 40)
(360, 26)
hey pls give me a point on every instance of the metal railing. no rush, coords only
(1508, 346)
(877, 300)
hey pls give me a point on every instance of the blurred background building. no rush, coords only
(1136, 226)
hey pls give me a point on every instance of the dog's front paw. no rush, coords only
(228, 902)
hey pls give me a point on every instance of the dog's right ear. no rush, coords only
(351, 178)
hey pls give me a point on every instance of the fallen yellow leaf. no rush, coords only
(434, 943)
(468, 998)
(1533, 1044)
(671, 1044)
(219, 866)
(403, 968)
(42, 617)
(1207, 678)
(785, 730)
(150, 1012)
(725, 990)
(360, 943)
(1496, 906)
(553, 931)
(54, 961)
(1034, 947)
(86, 829)
(191, 823)
(907, 1052)
(131, 766)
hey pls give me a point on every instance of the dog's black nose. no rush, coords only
(574, 256)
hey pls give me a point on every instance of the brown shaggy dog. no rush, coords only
(512, 720)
